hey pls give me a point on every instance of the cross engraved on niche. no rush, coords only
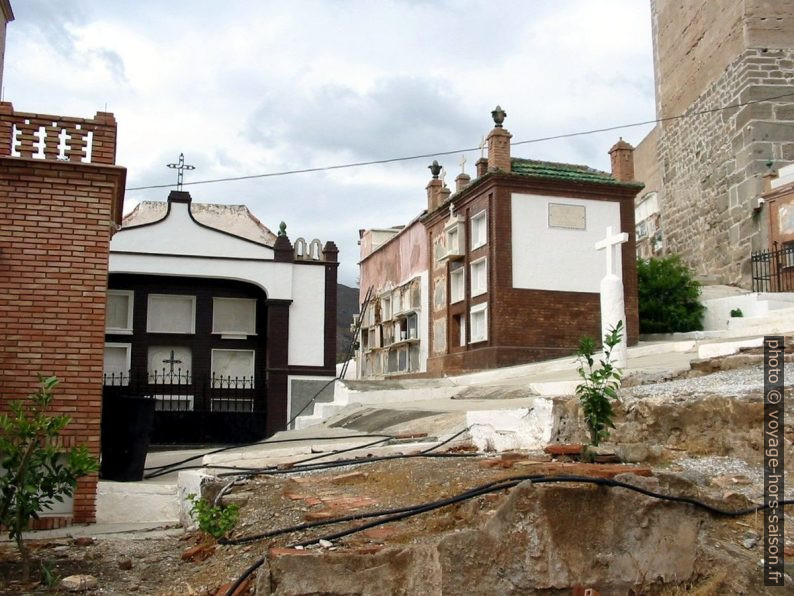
(171, 361)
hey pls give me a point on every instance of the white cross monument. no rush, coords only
(613, 308)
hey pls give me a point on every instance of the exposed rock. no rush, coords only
(240, 499)
(83, 541)
(546, 537)
(750, 540)
(125, 564)
(409, 570)
(542, 537)
(79, 583)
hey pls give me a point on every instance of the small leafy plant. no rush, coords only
(48, 575)
(736, 313)
(599, 384)
(215, 520)
(34, 471)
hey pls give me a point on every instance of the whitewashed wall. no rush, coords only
(274, 278)
(546, 258)
(307, 316)
(179, 234)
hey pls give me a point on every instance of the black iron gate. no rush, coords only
(195, 409)
(773, 270)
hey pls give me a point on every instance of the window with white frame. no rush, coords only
(234, 316)
(456, 285)
(116, 366)
(171, 313)
(479, 230)
(118, 314)
(478, 323)
(479, 276)
(233, 369)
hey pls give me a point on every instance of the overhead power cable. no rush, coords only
(358, 164)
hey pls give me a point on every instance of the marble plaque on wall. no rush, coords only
(571, 217)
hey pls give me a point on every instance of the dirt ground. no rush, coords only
(153, 563)
(275, 502)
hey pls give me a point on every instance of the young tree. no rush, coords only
(668, 296)
(34, 471)
(599, 384)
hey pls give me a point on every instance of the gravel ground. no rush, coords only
(730, 382)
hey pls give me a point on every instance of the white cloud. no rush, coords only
(251, 87)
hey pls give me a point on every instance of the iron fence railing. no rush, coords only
(177, 391)
(773, 270)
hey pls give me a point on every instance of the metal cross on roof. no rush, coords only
(180, 167)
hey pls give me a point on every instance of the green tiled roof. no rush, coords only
(562, 171)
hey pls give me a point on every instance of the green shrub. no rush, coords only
(34, 471)
(737, 313)
(668, 296)
(214, 520)
(599, 384)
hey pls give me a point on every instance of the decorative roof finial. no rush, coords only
(498, 116)
(435, 169)
(282, 229)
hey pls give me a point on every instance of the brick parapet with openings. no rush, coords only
(26, 134)
(56, 220)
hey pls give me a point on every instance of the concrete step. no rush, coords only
(136, 502)
(775, 322)
(322, 411)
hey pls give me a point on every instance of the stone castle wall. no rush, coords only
(711, 164)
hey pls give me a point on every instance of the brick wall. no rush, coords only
(56, 219)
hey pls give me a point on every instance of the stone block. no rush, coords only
(545, 537)
(408, 570)
(785, 112)
(747, 229)
(772, 131)
(787, 151)
(757, 111)
(765, 92)
(754, 152)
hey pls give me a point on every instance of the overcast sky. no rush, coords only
(248, 87)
